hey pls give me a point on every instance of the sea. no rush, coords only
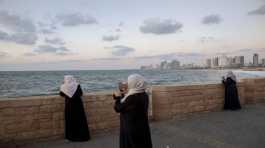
(32, 83)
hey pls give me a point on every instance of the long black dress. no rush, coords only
(231, 95)
(76, 128)
(134, 125)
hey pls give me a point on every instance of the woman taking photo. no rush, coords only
(133, 109)
(76, 128)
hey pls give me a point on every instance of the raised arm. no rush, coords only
(124, 106)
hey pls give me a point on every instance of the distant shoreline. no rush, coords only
(253, 69)
(218, 68)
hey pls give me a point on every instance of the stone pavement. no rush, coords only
(224, 129)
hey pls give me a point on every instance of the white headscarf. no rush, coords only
(231, 75)
(70, 86)
(136, 84)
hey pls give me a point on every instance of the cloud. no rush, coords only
(206, 39)
(258, 11)
(23, 30)
(121, 24)
(48, 49)
(118, 30)
(20, 38)
(56, 41)
(76, 19)
(110, 38)
(212, 19)
(47, 28)
(47, 31)
(120, 50)
(16, 23)
(159, 27)
(24, 38)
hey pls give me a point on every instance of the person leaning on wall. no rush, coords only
(76, 128)
(231, 101)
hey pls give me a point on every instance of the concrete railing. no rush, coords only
(38, 118)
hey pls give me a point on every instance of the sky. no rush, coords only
(123, 34)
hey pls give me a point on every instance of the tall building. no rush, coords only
(163, 65)
(208, 63)
(215, 62)
(175, 64)
(230, 62)
(239, 61)
(223, 61)
(263, 62)
(255, 59)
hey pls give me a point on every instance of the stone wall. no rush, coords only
(254, 90)
(172, 101)
(29, 119)
(42, 117)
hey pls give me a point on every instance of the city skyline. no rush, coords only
(222, 61)
(101, 34)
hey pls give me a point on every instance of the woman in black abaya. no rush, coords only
(231, 94)
(133, 109)
(76, 128)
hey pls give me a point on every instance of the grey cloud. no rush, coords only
(120, 50)
(24, 30)
(47, 28)
(118, 30)
(42, 49)
(20, 38)
(258, 11)
(16, 23)
(206, 39)
(158, 26)
(76, 19)
(121, 24)
(56, 41)
(110, 38)
(24, 38)
(212, 19)
(47, 31)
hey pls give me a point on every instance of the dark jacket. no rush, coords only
(76, 128)
(134, 125)
(231, 101)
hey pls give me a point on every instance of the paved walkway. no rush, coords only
(226, 129)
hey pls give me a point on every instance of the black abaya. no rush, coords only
(134, 125)
(76, 128)
(231, 95)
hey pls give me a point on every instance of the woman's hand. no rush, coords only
(117, 94)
